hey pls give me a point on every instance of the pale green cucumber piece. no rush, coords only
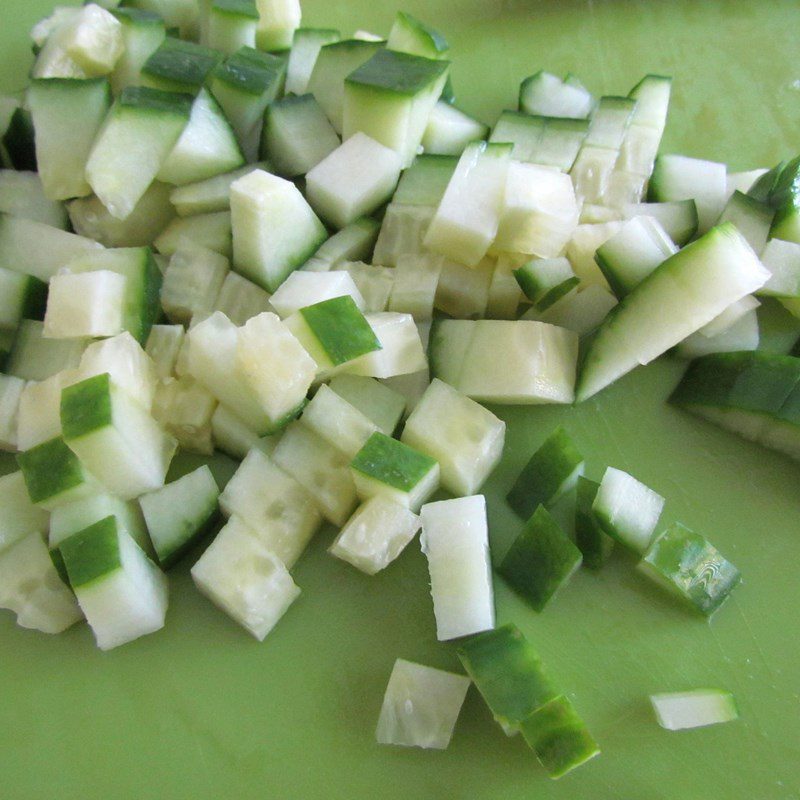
(296, 135)
(782, 259)
(140, 131)
(53, 474)
(455, 542)
(627, 510)
(241, 300)
(410, 35)
(450, 130)
(592, 172)
(353, 180)
(677, 217)
(545, 94)
(245, 579)
(505, 295)
(388, 468)
(35, 358)
(231, 25)
(180, 14)
(652, 95)
(730, 316)
(38, 415)
(425, 181)
(192, 282)
(213, 231)
(355, 242)
(552, 471)
(142, 34)
(465, 438)
(540, 560)
(52, 58)
(742, 335)
(560, 143)
(593, 542)
(306, 44)
(390, 98)
(94, 40)
(523, 131)
(183, 408)
(19, 514)
(178, 514)
(751, 218)
(22, 195)
(21, 297)
(420, 706)
(687, 565)
(696, 708)
(212, 194)
(11, 389)
(544, 281)
(764, 187)
(274, 229)
(415, 286)
(303, 289)
(744, 181)
(402, 232)
(30, 586)
(685, 292)
(375, 283)
(637, 155)
(609, 122)
(121, 592)
(582, 246)
(179, 66)
(334, 63)
(85, 305)
(231, 436)
(37, 249)
(375, 535)
(279, 19)
(376, 401)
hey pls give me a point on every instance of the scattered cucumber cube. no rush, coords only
(192, 281)
(450, 130)
(232, 436)
(85, 305)
(374, 282)
(595, 544)
(231, 25)
(416, 282)
(240, 299)
(543, 93)
(279, 19)
(19, 514)
(94, 40)
(302, 289)
(697, 708)
(22, 195)
(353, 243)
(142, 34)
(306, 44)
(184, 410)
(179, 66)
(410, 35)
(546, 280)
(376, 401)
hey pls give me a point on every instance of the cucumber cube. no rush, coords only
(303, 289)
(192, 282)
(388, 468)
(689, 566)
(114, 437)
(280, 512)
(245, 579)
(353, 180)
(142, 33)
(54, 475)
(374, 282)
(241, 300)
(420, 706)
(782, 259)
(184, 410)
(546, 94)
(22, 195)
(279, 19)
(181, 17)
(559, 737)
(179, 66)
(274, 229)
(552, 471)
(353, 243)
(416, 281)
(579, 311)
(232, 24)
(339, 423)
(121, 592)
(464, 437)
(94, 40)
(425, 181)
(375, 535)
(19, 515)
(402, 232)
(86, 304)
(39, 414)
(410, 35)
(455, 542)
(376, 401)
(212, 194)
(540, 560)
(595, 544)
(232, 436)
(546, 280)
(463, 292)
(627, 510)
(450, 130)
(212, 231)
(306, 44)
(677, 711)
(178, 514)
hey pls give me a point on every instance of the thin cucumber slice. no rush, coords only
(697, 708)
(142, 34)
(590, 538)
(420, 706)
(306, 44)
(544, 281)
(192, 282)
(376, 401)
(552, 471)
(20, 516)
(677, 217)
(545, 94)
(450, 130)
(279, 19)
(455, 541)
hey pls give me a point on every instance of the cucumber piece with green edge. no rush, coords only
(179, 66)
(559, 737)
(450, 130)
(523, 131)
(142, 34)
(182, 15)
(420, 706)
(354, 242)
(684, 293)
(744, 181)
(379, 403)
(415, 286)
(192, 282)
(232, 24)
(114, 437)
(20, 516)
(121, 592)
(782, 259)
(274, 228)
(545, 94)
(560, 143)
(696, 708)
(402, 232)
(751, 218)
(743, 334)
(67, 115)
(279, 19)
(764, 186)
(784, 197)
(688, 565)
(579, 311)
(21, 297)
(210, 195)
(8, 107)
(139, 133)
(627, 510)
(410, 35)
(540, 560)
(552, 471)
(84, 305)
(183, 408)
(388, 468)
(652, 95)
(18, 141)
(213, 231)
(54, 475)
(424, 182)
(234, 438)
(179, 513)
(93, 40)
(508, 674)
(306, 44)
(546, 280)
(296, 135)
(590, 538)
(609, 122)
(677, 217)
(454, 540)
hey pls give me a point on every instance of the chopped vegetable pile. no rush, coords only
(223, 232)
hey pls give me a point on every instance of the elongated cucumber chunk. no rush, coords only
(508, 673)
(455, 541)
(697, 708)
(685, 292)
(751, 218)
(338, 422)
(375, 400)
(142, 34)
(139, 133)
(540, 560)
(593, 542)
(279, 19)
(420, 706)
(546, 280)
(302, 289)
(274, 229)
(121, 592)
(30, 586)
(545, 94)
(450, 130)
(306, 44)
(677, 217)
(192, 282)
(19, 514)
(54, 475)
(688, 565)
(179, 66)
(280, 512)
(559, 737)
(212, 194)
(85, 305)
(232, 24)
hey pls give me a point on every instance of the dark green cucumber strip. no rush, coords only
(341, 329)
(49, 469)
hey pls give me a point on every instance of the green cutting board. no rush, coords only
(202, 711)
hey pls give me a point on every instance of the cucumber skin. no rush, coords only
(391, 462)
(92, 553)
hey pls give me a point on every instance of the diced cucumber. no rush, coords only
(402, 233)
(638, 152)
(39, 414)
(245, 579)
(465, 438)
(593, 542)
(743, 181)
(303, 289)
(450, 130)
(523, 131)
(139, 133)
(540, 560)
(279, 510)
(279, 19)
(546, 280)
(212, 194)
(581, 249)
(21, 297)
(627, 510)
(355, 242)
(545, 94)
(375, 283)
(212, 231)
(241, 300)
(52, 58)
(94, 40)
(232, 437)
(11, 389)
(455, 541)
(179, 66)
(696, 285)
(463, 292)
(784, 197)
(53, 474)
(297, 135)
(623, 188)
(306, 45)
(121, 592)
(678, 217)
(751, 217)
(410, 35)
(47, 25)
(86, 304)
(274, 229)
(184, 410)
(142, 34)
(505, 295)
(425, 181)
(35, 358)
(19, 514)
(353, 180)
(689, 566)
(609, 123)
(559, 144)
(376, 401)
(231, 25)
(782, 259)
(580, 311)
(591, 173)
(179, 513)
(180, 14)
(677, 711)
(31, 587)
(420, 706)
(22, 195)
(743, 334)
(730, 316)
(192, 282)
(415, 285)
(552, 471)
